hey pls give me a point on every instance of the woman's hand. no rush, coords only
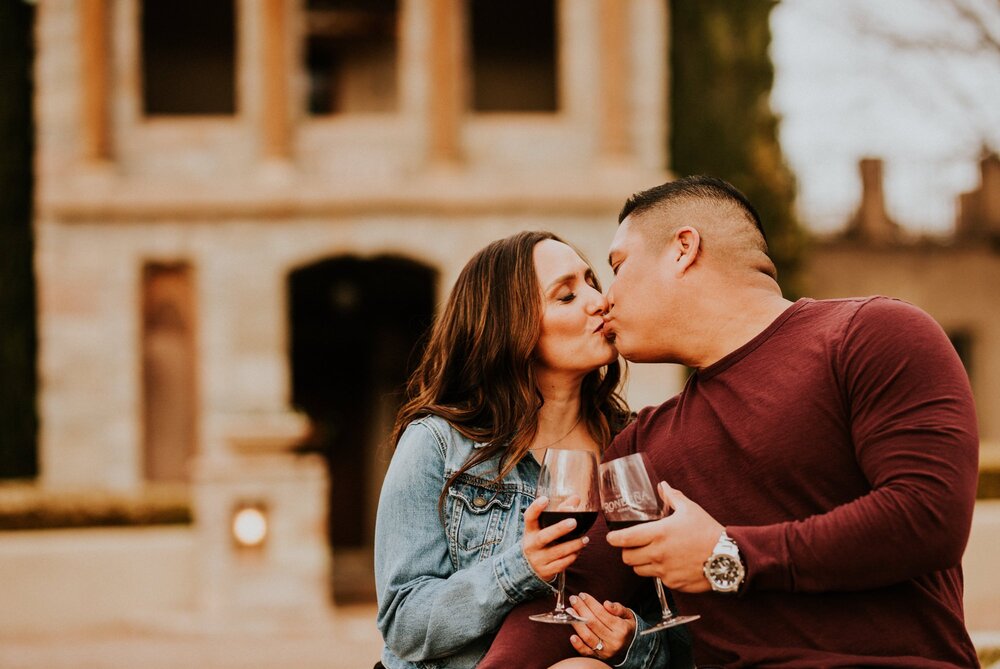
(546, 558)
(609, 632)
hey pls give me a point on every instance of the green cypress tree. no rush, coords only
(18, 416)
(721, 119)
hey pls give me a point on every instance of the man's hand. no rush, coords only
(673, 549)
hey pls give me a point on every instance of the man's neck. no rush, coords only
(728, 324)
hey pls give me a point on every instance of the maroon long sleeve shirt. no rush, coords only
(839, 448)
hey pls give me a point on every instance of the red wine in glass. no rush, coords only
(622, 524)
(628, 497)
(584, 521)
(569, 479)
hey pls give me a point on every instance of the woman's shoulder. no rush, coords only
(436, 428)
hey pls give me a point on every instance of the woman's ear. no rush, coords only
(684, 248)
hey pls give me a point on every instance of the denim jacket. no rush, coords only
(446, 583)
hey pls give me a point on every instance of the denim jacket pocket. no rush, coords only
(479, 512)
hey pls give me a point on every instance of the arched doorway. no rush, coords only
(355, 328)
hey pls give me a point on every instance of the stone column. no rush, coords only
(95, 61)
(277, 139)
(446, 90)
(614, 78)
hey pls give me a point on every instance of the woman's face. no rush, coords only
(572, 338)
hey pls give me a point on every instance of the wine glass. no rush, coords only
(569, 479)
(628, 497)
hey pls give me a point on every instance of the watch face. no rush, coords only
(724, 572)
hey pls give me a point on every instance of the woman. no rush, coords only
(516, 363)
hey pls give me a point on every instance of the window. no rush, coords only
(513, 55)
(351, 55)
(188, 57)
(168, 370)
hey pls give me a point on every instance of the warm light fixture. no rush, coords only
(249, 525)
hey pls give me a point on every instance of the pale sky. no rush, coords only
(844, 93)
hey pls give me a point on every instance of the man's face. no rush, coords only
(640, 308)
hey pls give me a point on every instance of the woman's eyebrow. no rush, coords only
(565, 278)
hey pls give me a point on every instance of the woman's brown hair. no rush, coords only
(476, 370)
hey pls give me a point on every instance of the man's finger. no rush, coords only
(674, 499)
(635, 536)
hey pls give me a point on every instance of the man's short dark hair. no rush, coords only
(696, 187)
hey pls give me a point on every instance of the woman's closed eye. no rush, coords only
(568, 297)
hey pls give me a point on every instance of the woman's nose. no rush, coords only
(598, 303)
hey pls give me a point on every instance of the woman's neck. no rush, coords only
(559, 419)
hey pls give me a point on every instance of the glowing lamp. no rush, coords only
(249, 525)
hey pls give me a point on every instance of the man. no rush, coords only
(822, 458)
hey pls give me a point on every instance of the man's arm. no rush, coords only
(913, 426)
(914, 429)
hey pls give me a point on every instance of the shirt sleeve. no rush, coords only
(913, 427)
(426, 608)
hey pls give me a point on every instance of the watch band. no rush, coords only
(724, 568)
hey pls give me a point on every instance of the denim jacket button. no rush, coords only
(479, 502)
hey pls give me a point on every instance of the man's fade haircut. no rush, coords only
(696, 187)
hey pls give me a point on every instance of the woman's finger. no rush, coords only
(562, 564)
(600, 620)
(532, 513)
(581, 647)
(590, 639)
(552, 533)
(617, 610)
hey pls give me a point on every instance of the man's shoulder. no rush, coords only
(881, 314)
(869, 306)
(851, 315)
(649, 416)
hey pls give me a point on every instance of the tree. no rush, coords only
(951, 35)
(18, 415)
(721, 119)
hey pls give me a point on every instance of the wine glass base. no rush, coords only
(668, 623)
(558, 618)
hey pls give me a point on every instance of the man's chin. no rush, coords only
(631, 354)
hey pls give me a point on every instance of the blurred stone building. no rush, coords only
(247, 214)
(955, 277)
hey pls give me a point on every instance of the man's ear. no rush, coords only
(684, 248)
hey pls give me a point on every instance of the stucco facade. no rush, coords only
(166, 243)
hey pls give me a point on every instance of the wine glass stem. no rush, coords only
(561, 592)
(665, 612)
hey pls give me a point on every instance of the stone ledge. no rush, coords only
(26, 506)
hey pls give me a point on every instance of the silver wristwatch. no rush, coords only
(724, 568)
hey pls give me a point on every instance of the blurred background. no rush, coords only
(226, 225)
